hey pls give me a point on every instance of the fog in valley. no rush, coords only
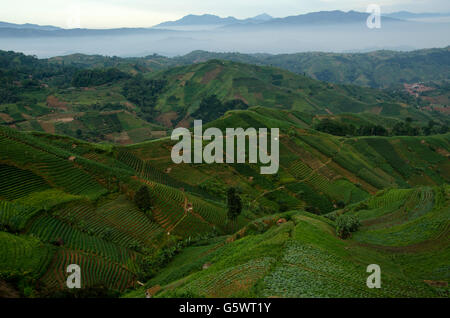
(246, 39)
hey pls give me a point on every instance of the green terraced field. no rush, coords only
(64, 200)
(95, 271)
(22, 256)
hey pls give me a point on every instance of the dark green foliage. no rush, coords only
(17, 69)
(87, 78)
(142, 91)
(345, 225)
(334, 128)
(341, 129)
(234, 203)
(316, 203)
(405, 129)
(143, 199)
(212, 108)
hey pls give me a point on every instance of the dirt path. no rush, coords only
(326, 163)
(266, 192)
(186, 212)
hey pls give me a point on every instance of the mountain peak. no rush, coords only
(205, 19)
(263, 17)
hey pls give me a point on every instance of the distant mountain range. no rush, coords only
(28, 26)
(209, 19)
(325, 18)
(335, 31)
(313, 19)
(405, 15)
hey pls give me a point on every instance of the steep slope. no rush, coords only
(125, 103)
(302, 257)
(64, 202)
(316, 170)
(376, 69)
(270, 87)
(75, 201)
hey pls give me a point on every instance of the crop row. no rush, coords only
(24, 255)
(16, 183)
(15, 216)
(106, 226)
(95, 271)
(232, 280)
(52, 230)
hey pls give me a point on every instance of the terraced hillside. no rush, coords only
(65, 201)
(303, 257)
(125, 102)
(270, 87)
(317, 171)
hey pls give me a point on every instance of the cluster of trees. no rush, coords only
(347, 224)
(336, 128)
(87, 78)
(212, 108)
(404, 128)
(142, 199)
(22, 68)
(19, 72)
(234, 204)
(144, 93)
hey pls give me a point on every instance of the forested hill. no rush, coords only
(126, 102)
(374, 69)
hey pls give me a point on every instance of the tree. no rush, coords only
(345, 225)
(234, 204)
(212, 108)
(142, 199)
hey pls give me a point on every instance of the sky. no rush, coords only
(147, 13)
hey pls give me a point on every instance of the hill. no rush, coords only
(206, 19)
(28, 26)
(74, 200)
(126, 101)
(302, 257)
(377, 69)
(245, 85)
(327, 18)
(374, 69)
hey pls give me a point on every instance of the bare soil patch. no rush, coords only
(6, 118)
(53, 102)
(209, 76)
(167, 118)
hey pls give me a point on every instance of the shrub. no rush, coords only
(142, 199)
(345, 225)
(234, 204)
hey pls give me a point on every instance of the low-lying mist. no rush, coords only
(275, 40)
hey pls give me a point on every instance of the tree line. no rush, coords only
(403, 128)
